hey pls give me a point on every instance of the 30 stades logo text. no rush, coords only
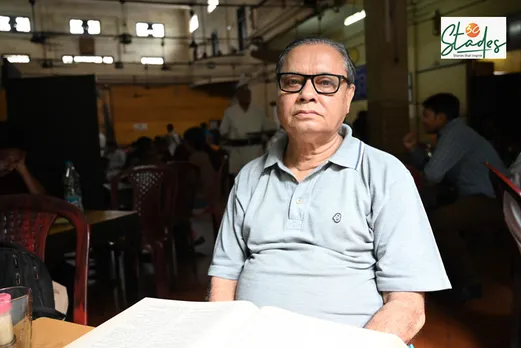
(473, 37)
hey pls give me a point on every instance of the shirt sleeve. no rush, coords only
(230, 251)
(407, 257)
(448, 152)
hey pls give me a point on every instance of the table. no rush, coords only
(50, 333)
(106, 226)
(93, 217)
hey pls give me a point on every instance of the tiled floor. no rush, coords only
(478, 324)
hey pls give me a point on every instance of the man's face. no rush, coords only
(244, 96)
(432, 122)
(308, 111)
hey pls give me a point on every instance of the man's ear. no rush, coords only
(441, 117)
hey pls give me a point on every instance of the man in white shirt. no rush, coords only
(240, 119)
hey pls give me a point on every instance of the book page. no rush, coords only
(277, 328)
(165, 323)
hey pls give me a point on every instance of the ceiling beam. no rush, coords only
(187, 4)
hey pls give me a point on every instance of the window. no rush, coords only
(212, 5)
(88, 59)
(15, 24)
(17, 58)
(83, 26)
(152, 61)
(150, 29)
(194, 22)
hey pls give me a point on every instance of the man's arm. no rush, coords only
(403, 315)
(230, 251)
(33, 185)
(222, 289)
(408, 262)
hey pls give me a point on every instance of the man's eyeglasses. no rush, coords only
(323, 83)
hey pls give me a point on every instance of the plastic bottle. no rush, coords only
(6, 324)
(71, 185)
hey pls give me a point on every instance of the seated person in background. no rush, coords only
(207, 133)
(323, 224)
(161, 147)
(458, 160)
(116, 159)
(142, 153)
(15, 177)
(197, 149)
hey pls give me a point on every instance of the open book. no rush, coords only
(239, 324)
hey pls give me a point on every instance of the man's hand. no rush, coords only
(11, 159)
(410, 141)
(403, 315)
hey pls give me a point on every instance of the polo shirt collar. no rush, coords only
(348, 155)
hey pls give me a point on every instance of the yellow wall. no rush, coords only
(180, 105)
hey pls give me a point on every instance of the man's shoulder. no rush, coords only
(382, 166)
(250, 174)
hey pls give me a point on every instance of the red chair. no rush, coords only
(153, 191)
(26, 220)
(509, 196)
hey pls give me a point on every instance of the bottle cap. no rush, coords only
(5, 303)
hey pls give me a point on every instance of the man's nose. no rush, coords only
(308, 92)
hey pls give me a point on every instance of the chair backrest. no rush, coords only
(509, 196)
(503, 184)
(153, 189)
(26, 220)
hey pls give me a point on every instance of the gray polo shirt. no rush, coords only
(327, 246)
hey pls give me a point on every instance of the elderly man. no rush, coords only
(323, 224)
(240, 119)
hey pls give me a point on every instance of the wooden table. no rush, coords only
(93, 217)
(105, 226)
(50, 333)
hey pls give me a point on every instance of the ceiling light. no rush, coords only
(17, 58)
(68, 59)
(88, 59)
(354, 18)
(94, 27)
(23, 24)
(152, 61)
(108, 60)
(5, 24)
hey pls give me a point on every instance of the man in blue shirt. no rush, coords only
(458, 160)
(323, 224)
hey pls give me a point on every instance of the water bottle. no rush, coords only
(71, 185)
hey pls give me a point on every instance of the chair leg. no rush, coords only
(161, 274)
(114, 278)
(122, 278)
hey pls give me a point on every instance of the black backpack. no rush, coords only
(19, 267)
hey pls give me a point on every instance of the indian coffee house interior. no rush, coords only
(117, 107)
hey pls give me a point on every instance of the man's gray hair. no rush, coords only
(348, 64)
